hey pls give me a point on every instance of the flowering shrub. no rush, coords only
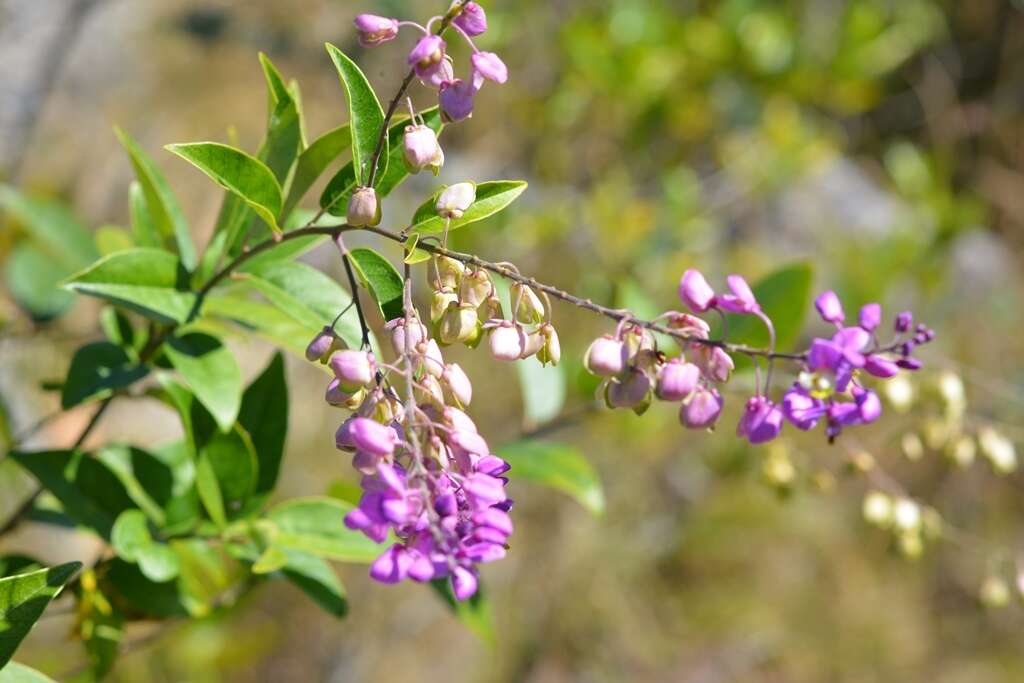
(433, 504)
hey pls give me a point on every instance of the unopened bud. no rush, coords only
(354, 369)
(430, 355)
(605, 357)
(337, 396)
(526, 305)
(702, 409)
(455, 199)
(429, 390)
(532, 344)
(631, 390)
(363, 208)
(506, 341)
(458, 383)
(321, 345)
(551, 351)
(421, 149)
(458, 324)
(676, 380)
(476, 287)
(396, 327)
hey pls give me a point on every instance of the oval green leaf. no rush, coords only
(211, 371)
(491, 197)
(22, 601)
(365, 116)
(378, 275)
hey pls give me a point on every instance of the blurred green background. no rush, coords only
(880, 142)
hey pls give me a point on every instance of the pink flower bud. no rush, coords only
(456, 419)
(427, 56)
(366, 435)
(464, 583)
(551, 352)
(396, 327)
(363, 208)
(458, 383)
(421, 149)
(430, 353)
(631, 390)
(472, 19)
(829, 307)
(456, 99)
(429, 390)
(374, 30)
(322, 344)
(714, 362)
(701, 411)
(487, 65)
(741, 300)
(605, 357)
(392, 566)
(354, 369)
(506, 341)
(533, 342)
(677, 380)
(483, 490)
(695, 291)
(880, 366)
(465, 443)
(870, 316)
(476, 287)
(337, 396)
(689, 325)
(527, 306)
(459, 324)
(455, 199)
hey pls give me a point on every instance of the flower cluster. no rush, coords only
(827, 390)
(429, 478)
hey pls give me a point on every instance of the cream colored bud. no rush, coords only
(877, 509)
(527, 306)
(912, 447)
(998, 449)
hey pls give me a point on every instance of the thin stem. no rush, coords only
(771, 349)
(346, 259)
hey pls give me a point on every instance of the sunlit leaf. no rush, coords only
(491, 197)
(22, 601)
(211, 371)
(366, 117)
(378, 275)
(316, 525)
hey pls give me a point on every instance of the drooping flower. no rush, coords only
(455, 199)
(761, 421)
(427, 57)
(695, 291)
(472, 19)
(363, 208)
(421, 149)
(374, 30)
(677, 379)
(488, 66)
(456, 99)
(702, 409)
(741, 300)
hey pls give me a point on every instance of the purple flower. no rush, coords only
(472, 19)
(695, 291)
(802, 409)
(761, 421)
(880, 367)
(904, 321)
(354, 369)
(372, 437)
(321, 344)
(464, 583)
(374, 30)
(456, 99)
(829, 307)
(392, 566)
(870, 316)
(427, 57)
(628, 391)
(714, 362)
(605, 357)
(676, 380)
(701, 411)
(483, 490)
(487, 65)
(741, 300)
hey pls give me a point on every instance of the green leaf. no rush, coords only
(784, 296)
(143, 229)
(209, 491)
(19, 673)
(313, 161)
(284, 135)
(491, 197)
(34, 280)
(335, 196)
(133, 542)
(111, 239)
(89, 492)
(22, 601)
(314, 576)
(165, 214)
(225, 313)
(233, 462)
(474, 613)
(559, 466)
(543, 391)
(51, 227)
(117, 328)
(270, 561)
(306, 294)
(378, 275)
(211, 371)
(316, 525)
(150, 282)
(152, 480)
(239, 173)
(264, 415)
(365, 115)
(97, 370)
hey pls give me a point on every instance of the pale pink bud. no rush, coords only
(374, 30)
(606, 357)
(421, 149)
(487, 65)
(472, 19)
(433, 361)
(457, 419)
(715, 363)
(458, 383)
(464, 583)
(701, 410)
(354, 369)
(455, 199)
(677, 380)
(466, 443)
(321, 345)
(430, 390)
(689, 325)
(533, 342)
(337, 396)
(416, 334)
(695, 291)
(363, 208)
(364, 434)
(506, 341)
(628, 391)
(476, 287)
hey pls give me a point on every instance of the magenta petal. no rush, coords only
(392, 566)
(464, 583)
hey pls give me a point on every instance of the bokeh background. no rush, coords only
(880, 141)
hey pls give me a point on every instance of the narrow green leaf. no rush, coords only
(211, 371)
(239, 173)
(264, 415)
(88, 491)
(316, 525)
(52, 227)
(313, 161)
(143, 228)
(97, 370)
(22, 601)
(209, 491)
(284, 136)
(34, 279)
(491, 197)
(559, 466)
(378, 275)
(165, 214)
(474, 613)
(335, 196)
(233, 461)
(270, 561)
(19, 673)
(151, 479)
(150, 282)
(365, 115)
(314, 576)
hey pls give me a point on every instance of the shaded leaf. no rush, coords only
(313, 161)
(365, 115)
(133, 542)
(211, 371)
(22, 601)
(378, 275)
(34, 280)
(315, 577)
(559, 466)
(19, 673)
(97, 370)
(491, 197)
(474, 613)
(164, 212)
(264, 415)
